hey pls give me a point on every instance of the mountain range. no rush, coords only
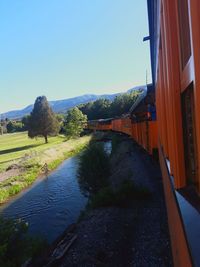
(61, 106)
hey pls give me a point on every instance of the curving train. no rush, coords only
(140, 123)
(166, 117)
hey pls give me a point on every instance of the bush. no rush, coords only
(94, 168)
(15, 126)
(16, 246)
(123, 196)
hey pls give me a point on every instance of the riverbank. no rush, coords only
(23, 160)
(133, 235)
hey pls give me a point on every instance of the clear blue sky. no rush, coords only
(66, 48)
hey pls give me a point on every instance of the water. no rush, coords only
(51, 204)
(108, 147)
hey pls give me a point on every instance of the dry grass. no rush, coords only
(24, 169)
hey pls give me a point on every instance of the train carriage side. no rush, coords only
(175, 60)
(144, 125)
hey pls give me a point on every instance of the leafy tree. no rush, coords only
(98, 109)
(25, 122)
(15, 126)
(103, 108)
(42, 121)
(61, 119)
(74, 123)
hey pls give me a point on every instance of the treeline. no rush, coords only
(43, 122)
(12, 126)
(104, 108)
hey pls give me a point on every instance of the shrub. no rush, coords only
(16, 246)
(123, 196)
(94, 168)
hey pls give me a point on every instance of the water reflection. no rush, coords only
(51, 204)
(94, 167)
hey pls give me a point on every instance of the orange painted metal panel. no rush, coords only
(194, 7)
(153, 136)
(180, 251)
(116, 125)
(171, 51)
(126, 126)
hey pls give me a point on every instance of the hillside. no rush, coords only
(61, 106)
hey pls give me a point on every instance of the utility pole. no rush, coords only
(146, 77)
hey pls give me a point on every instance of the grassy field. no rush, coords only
(28, 156)
(15, 146)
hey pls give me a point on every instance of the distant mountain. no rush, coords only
(61, 106)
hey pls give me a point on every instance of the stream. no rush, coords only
(51, 203)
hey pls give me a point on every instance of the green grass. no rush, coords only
(30, 155)
(15, 146)
(122, 197)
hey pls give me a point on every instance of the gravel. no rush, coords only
(133, 236)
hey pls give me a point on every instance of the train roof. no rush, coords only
(148, 97)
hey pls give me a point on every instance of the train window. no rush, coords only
(189, 135)
(184, 29)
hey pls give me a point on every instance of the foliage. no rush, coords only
(42, 120)
(25, 122)
(96, 110)
(123, 196)
(103, 108)
(15, 126)
(16, 245)
(94, 168)
(74, 123)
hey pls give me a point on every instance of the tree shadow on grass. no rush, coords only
(16, 149)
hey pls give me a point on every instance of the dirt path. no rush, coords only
(10, 173)
(133, 236)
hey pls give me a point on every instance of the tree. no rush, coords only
(104, 108)
(15, 126)
(74, 123)
(98, 109)
(42, 121)
(25, 122)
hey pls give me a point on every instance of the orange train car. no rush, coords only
(167, 117)
(117, 125)
(100, 125)
(140, 123)
(144, 124)
(174, 35)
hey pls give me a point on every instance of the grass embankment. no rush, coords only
(94, 172)
(25, 158)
